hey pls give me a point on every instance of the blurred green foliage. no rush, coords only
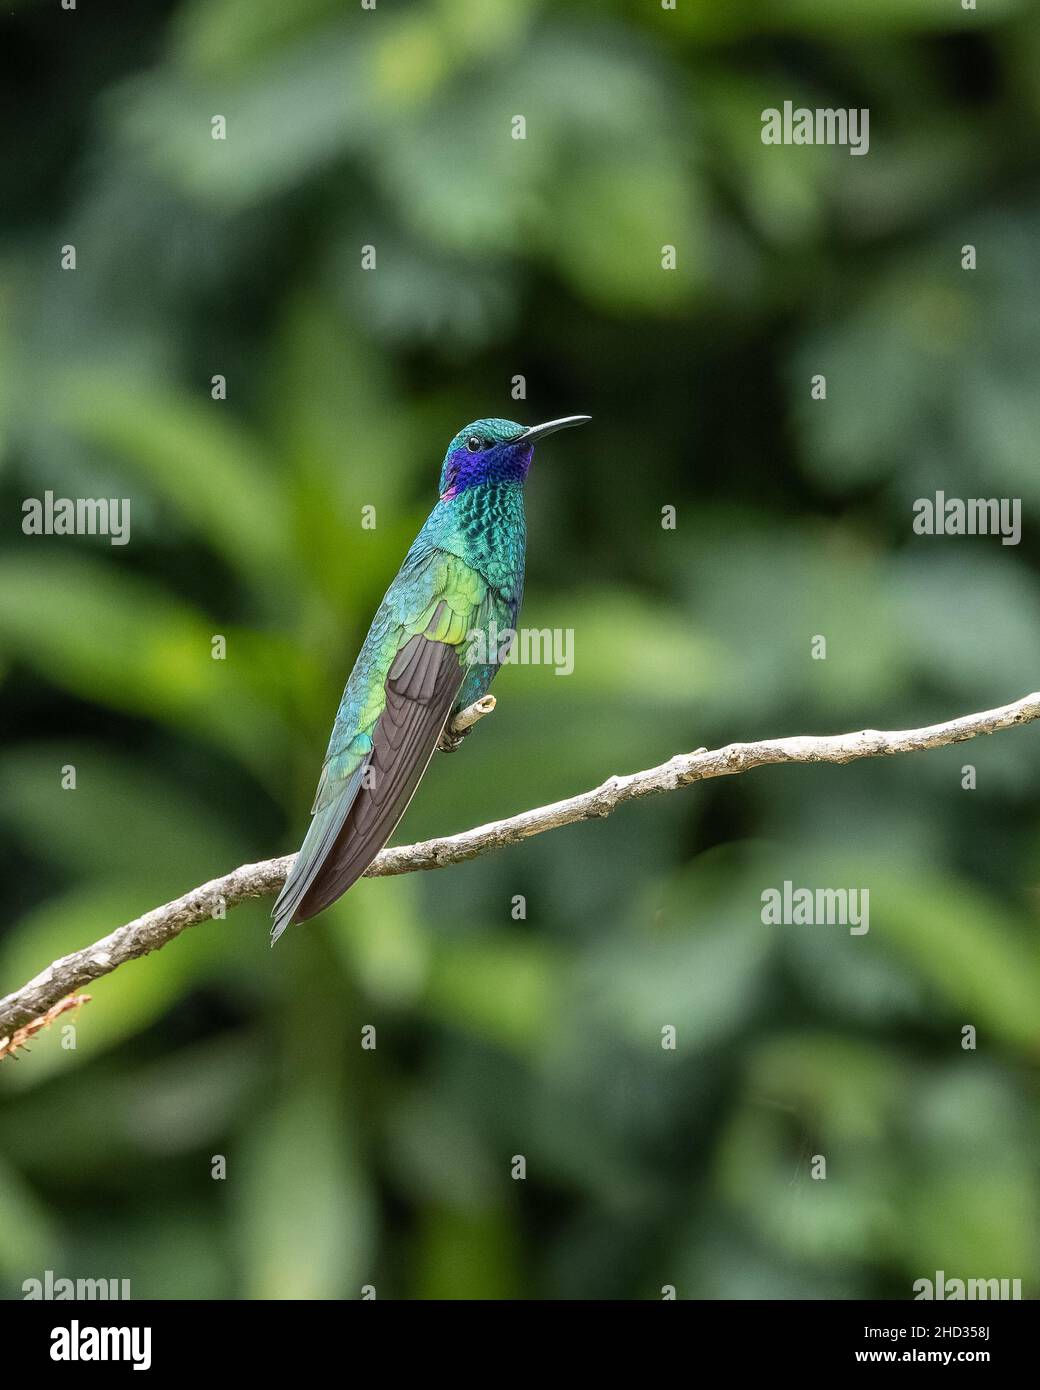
(542, 257)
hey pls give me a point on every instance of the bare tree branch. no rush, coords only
(137, 938)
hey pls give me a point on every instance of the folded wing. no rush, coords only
(354, 817)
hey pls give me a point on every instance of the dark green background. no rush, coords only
(541, 257)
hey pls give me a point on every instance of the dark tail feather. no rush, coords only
(420, 689)
(321, 836)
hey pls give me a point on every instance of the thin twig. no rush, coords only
(19, 1039)
(451, 738)
(162, 924)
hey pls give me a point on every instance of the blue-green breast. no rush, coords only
(486, 528)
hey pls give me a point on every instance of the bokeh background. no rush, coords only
(541, 257)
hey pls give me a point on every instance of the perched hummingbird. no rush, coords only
(463, 575)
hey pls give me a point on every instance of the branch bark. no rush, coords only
(162, 924)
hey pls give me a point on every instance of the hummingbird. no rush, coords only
(461, 583)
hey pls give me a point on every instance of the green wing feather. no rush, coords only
(407, 677)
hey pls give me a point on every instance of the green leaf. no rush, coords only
(197, 458)
(118, 639)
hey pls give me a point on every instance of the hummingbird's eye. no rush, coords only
(474, 444)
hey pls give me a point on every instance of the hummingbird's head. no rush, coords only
(494, 451)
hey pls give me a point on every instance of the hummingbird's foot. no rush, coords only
(450, 741)
(457, 729)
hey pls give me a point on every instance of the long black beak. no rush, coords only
(537, 432)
